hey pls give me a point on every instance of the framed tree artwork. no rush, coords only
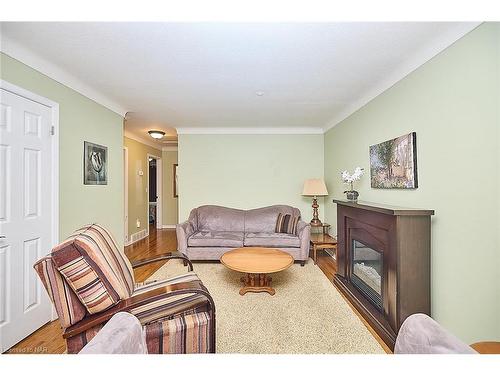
(393, 163)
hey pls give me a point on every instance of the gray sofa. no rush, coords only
(211, 231)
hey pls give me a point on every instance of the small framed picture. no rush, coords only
(95, 164)
(176, 187)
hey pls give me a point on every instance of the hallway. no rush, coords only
(159, 242)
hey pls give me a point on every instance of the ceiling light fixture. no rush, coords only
(156, 134)
(259, 93)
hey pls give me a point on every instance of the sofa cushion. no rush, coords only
(266, 239)
(216, 239)
(286, 223)
(264, 219)
(220, 219)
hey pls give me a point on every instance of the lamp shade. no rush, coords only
(315, 187)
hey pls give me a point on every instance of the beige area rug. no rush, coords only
(306, 315)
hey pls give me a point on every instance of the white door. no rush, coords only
(25, 215)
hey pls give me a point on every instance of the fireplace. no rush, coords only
(383, 263)
(366, 271)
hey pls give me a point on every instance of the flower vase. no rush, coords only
(352, 195)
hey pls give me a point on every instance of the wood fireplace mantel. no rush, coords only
(384, 208)
(400, 240)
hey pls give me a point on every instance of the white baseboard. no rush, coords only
(168, 226)
(137, 236)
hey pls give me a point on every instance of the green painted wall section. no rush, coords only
(247, 171)
(170, 203)
(452, 102)
(80, 119)
(138, 197)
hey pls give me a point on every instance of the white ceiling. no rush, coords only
(195, 76)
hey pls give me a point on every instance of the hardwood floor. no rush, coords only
(157, 243)
(48, 339)
(329, 267)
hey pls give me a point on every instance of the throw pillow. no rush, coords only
(85, 279)
(286, 223)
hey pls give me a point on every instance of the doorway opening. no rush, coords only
(154, 189)
(125, 194)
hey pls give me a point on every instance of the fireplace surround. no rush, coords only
(383, 262)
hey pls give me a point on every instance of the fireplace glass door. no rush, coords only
(366, 272)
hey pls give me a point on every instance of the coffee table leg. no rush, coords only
(263, 284)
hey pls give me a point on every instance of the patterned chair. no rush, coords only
(89, 280)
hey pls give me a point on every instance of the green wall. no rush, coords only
(80, 119)
(170, 203)
(452, 103)
(247, 171)
(138, 196)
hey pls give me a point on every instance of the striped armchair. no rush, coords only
(89, 280)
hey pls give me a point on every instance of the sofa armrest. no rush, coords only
(184, 231)
(304, 233)
(420, 334)
(122, 334)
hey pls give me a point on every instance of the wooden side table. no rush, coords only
(487, 347)
(319, 229)
(320, 241)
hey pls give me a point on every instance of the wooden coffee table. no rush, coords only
(257, 263)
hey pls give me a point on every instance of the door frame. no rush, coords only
(159, 200)
(125, 192)
(54, 107)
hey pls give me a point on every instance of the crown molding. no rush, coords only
(170, 148)
(128, 134)
(423, 56)
(288, 130)
(31, 59)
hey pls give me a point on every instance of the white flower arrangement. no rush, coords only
(355, 176)
(349, 178)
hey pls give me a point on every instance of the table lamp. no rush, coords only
(315, 187)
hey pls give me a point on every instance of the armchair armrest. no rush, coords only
(126, 305)
(420, 334)
(167, 256)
